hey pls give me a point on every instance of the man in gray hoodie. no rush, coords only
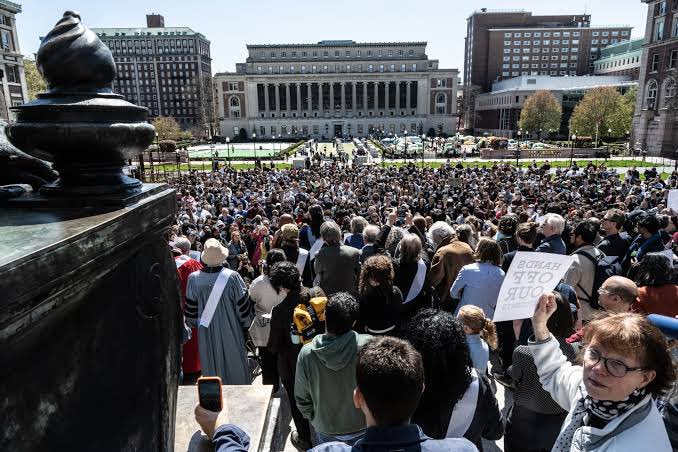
(325, 376)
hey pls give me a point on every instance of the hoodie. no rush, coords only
(325, 380)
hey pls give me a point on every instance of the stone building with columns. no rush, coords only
(336, 88)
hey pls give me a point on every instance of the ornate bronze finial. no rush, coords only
(73, 58)
(80, 125)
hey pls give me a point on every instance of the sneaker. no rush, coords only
(299, 442)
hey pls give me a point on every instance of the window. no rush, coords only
(547, 42)
(507, 50)
(370, 68)
(658, 34)
(348, 68)
(595, 33)
(441, 106)
(674, 26)
(6, 39)
(281, 69)
(303, 69)
(314, 69)
(259, 71)
(536, 43)
(414, 67)
(326, 53)
(390, 53)
(516, 50)
(379, 53)
(516, 35)
(358, 53)
(403, 67)
(381, 68)
(507, 58)
(348, 53)
(324, 68)
(526, 43)
(507, 43)
(336, 53)
(556, 42)
(651, 97)
(411, 53)
(13, 74)
(673, 61)
(233, 86)
(291, 69)
(661, 8)
(669, 92)
(234, 107)
(507, 35)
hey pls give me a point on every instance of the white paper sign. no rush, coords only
(529, 276)
(672, 202)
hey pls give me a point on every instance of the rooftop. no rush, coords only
(338, 43)
(621, 48)
(548, 83)
(143, 31)
(10, 6)
(563, 27)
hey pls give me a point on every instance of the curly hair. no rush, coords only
(508, 224)
(285, 275)
(377, 268)
(654, 270)
(441, 341)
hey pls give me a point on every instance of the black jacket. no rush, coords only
(380, 310)
(279, 341)
(615, 245)
(404, 277)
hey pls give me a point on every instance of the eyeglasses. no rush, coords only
(614, 367)
(602, 291)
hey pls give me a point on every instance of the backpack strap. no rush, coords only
(594, 260)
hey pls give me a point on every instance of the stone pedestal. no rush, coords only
(90, 327)
(249, 407)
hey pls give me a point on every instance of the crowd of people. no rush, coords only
(350, 285)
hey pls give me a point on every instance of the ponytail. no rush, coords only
(489, 334)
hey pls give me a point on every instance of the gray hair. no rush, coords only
(556, 221)
(330, 233)
(182, 243)
(410, 247)
(358, 225)
(439, 231)
(370, 233)
(393, 239)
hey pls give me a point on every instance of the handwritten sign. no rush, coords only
(528, 277)
(672, 202)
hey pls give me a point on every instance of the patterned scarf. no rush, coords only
(604, 410)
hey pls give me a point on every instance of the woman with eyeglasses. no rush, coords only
(610, 397)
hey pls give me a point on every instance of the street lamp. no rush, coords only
(228, 150)
(405, 145)
(520, 132)
(254, 139)
(574, 137)
(609, 136)
(423, 149)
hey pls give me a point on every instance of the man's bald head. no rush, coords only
(617, 294)
(284, 219)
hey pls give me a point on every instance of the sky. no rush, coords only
(230, 25)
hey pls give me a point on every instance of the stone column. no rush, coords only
(298, 87)
(321, 108)
(332, 98)
(267, 105)
(277, 98)
(376, 96)
(343, 98)
(407, 96)
(288, 102)
(397, 95)
(365, 97)
(309, 98)
(386, 94)
(354, 96)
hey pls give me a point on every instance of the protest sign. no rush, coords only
(672, 202)
(529, 276)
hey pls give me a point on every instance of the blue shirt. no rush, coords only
(553, 244)
(478, 284)
(480, 352)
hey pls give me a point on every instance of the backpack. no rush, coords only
(308, 320)
(605, 266)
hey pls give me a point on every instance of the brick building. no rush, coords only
(654, 122)
(166, 69)
(502, 44)
(14, 91)
(337, 88)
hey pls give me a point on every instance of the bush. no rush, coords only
(168, 146)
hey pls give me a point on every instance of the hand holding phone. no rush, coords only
(209, 393)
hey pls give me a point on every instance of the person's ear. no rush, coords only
(647, 376)
(358, 399)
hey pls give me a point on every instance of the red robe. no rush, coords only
(191, 355)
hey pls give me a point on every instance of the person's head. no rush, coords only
(617, 294)
(235, 235)
(390, 381)
(613, 221)
(273, 256)
(585, 233)
(289, 233)
(636, 356)
(377, 271)
(420, 223)
(358, 225)
(285, 277)
(488, 251)
(526, 233)
(508, 224)
(440, 339)
(654, 270)
(341, 312)
(182, 244)
(440, 231)
(370, 234)
(284, 219)
(465, 234)
(554, 224)
(330, 233)
(474, 322)
(410, 248)
(648, 226)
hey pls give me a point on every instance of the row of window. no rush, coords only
(617, 63)
(564, 34)
(303, 69)
(547, 42)
(543, 58)
(546, 50)
(304, 129)
(653, 89)
(658, 32)
(337, 53)
(536, 65)
(656, 61)
(517, 74)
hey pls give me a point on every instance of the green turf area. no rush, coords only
(235, 154)
(526, 163)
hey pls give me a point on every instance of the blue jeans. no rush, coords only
(349, 439)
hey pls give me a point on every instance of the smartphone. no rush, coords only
(209, 393)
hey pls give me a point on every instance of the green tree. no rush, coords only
(167, 128)
(603, 109)
(541, 112)
(34, 81)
